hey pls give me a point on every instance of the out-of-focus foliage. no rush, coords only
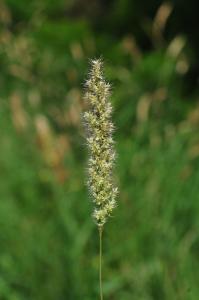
(48, 242)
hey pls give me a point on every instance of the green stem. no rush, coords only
(100, 262)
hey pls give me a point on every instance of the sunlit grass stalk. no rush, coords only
(100, 143)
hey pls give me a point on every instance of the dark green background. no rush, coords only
(48, 241)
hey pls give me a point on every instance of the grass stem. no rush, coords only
(100, 262)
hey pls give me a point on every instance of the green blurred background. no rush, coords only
(48, 241)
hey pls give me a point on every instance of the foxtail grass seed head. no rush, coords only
(100, 143)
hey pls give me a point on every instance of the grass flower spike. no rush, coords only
(100, 144)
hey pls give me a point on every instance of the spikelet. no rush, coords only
(100, 144)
